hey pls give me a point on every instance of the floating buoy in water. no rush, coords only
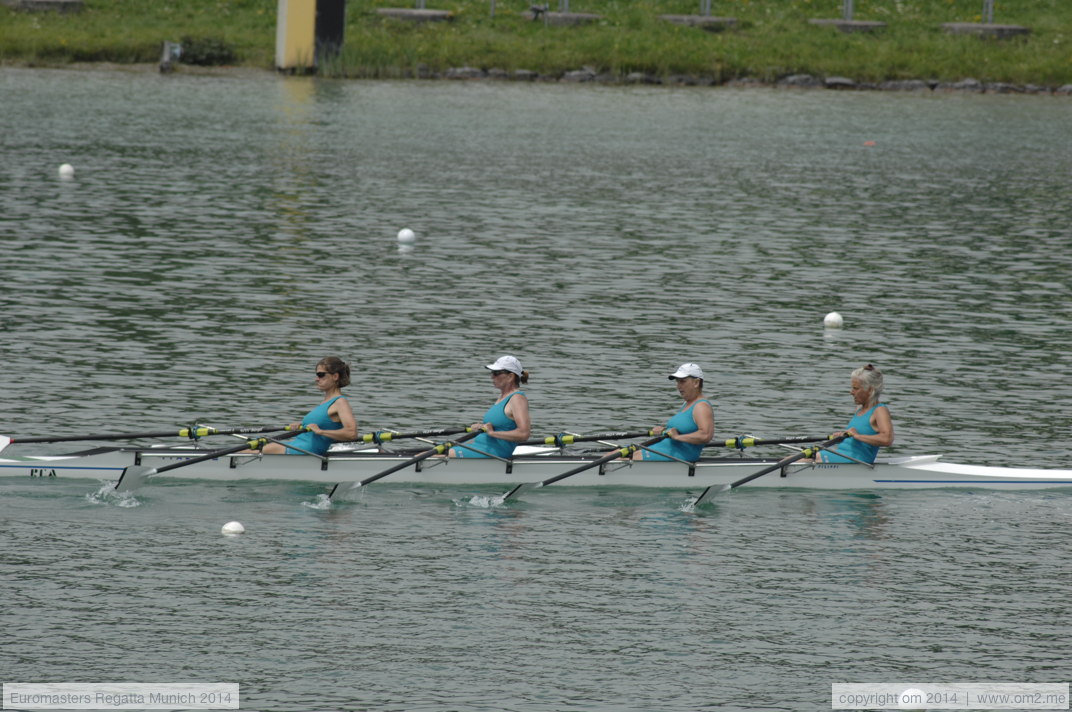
(869, 143)
(66, 171)
(406, 236)
(233, 529)
(833, 320)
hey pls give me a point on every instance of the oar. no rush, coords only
(807, 452)
(626, 451)
(135, 475)
(741, 442)
(440, 449)
(382, 436)
(192, 432)
(563, 439)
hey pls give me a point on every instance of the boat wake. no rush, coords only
(107, 496)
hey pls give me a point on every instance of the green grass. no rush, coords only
(772, 38)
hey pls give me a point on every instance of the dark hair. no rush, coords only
(523, 378)
(334, 364)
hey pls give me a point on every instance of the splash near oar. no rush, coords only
(134, 476)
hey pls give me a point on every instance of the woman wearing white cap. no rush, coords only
(691, 427)
(507, 422)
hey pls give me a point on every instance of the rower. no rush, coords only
(870, 426)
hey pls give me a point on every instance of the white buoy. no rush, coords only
(66, 171)
(833, 320)
(406, 236)
(233, 528)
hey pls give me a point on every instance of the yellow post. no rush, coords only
(295, 36)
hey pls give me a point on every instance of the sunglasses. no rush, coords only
(499, 373)
(321, 374)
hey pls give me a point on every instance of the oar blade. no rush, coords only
(133, 477)
(4, 442)
(512, 494)
(708, 493)
(344, 491)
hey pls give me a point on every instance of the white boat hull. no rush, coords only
(914, 472)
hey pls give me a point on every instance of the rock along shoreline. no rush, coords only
(590, 75)
(799, 81)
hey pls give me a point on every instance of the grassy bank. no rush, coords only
(772, 38)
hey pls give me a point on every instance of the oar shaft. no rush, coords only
(382, 436)
(776, 466)
(743, 442)
(623, 452)
(192, 433)
(809, 452)
(139, 473)
(563, 439)
(626, 451)
(440, 449)
(254, 444)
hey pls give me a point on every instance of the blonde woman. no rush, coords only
(870, 427)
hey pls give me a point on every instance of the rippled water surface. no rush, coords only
(221, 234)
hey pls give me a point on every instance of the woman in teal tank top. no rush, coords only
(691, 428)
(506, 423)
(870, 426)
(330, 422)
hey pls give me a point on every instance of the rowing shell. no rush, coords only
(911, 472)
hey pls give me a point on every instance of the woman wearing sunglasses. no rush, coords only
(330, 422)
(507, 422)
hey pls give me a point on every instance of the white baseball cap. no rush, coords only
(687, 370)
(506, 363)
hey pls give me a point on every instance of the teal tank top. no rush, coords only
(499, 420)
(853, 447)
(685, 424)
(311, 441)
